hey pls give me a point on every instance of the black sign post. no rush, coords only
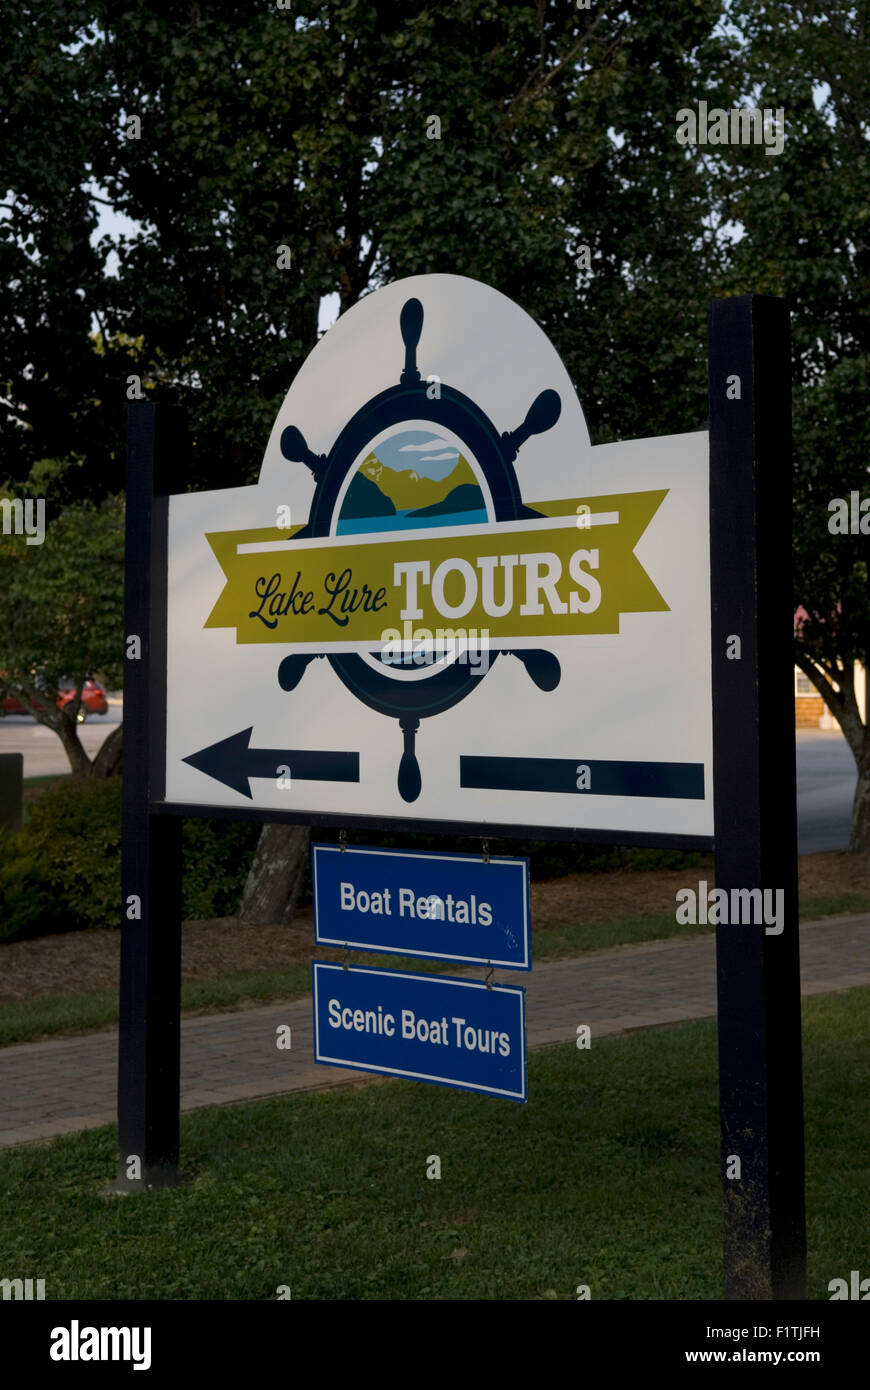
(754, 798)
(755, 816)
(150, 1002)
(11, 790)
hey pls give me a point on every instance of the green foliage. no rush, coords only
(62, 610)
(61, 871)
(58, 396)
(806, 215)
(28, 906)
(832, 577)
(217, 857)
(308, 128)
(66, 857)
(263, 128)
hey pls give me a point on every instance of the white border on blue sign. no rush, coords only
(410, 951)
(413, 1075)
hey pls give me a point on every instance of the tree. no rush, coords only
(58, 397)
(61, 617)
(833, 563)
(311, 128)
(275, 877)
(374, 143)
(806, 215)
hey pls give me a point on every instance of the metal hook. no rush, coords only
(345, 956)
(489, 976)
(342, 840)
(486, 851)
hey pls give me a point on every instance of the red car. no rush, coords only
(93, 699)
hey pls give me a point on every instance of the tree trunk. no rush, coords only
(843, 704)
(276, 876)
(857, 735)
(859, 839)
(68, 733)
(107, 763)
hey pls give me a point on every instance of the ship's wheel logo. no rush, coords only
(468, 466)
(417, 517)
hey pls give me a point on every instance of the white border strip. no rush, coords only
(410, 951)
(452, 1082)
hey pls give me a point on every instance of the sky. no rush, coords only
(425, 452)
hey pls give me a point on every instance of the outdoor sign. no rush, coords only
(459, 1033)
(455, 907)
(439, 602)
(441, 606)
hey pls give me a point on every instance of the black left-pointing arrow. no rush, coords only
(234, 762)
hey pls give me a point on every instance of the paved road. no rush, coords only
(826, 776)
(43, 754)
(66, 1084)
(825, 771)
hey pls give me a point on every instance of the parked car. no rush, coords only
(93, 699)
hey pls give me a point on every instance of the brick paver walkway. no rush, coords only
(50, 1088)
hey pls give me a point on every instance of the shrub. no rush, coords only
(547, 858)
(62, 870)
(27, 907)
(217, 857)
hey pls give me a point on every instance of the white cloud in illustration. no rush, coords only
(428, 444)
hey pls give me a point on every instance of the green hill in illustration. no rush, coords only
(364, 498)
(408, 490)
(467, 497)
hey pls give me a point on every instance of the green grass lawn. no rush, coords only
(609, 1177)
(23, 1020)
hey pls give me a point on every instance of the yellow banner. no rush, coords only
(570, 573)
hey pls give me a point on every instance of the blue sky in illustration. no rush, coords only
(427, 453)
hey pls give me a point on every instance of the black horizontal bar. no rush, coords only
(307, 764)
(683, 781)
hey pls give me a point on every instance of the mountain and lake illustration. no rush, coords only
(413, 479)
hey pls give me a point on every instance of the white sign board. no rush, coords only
(440, 602)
